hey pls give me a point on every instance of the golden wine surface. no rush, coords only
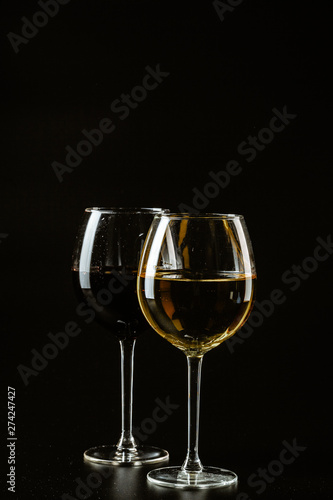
(196, 315)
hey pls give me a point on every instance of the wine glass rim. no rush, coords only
(186, 215)
(126, 210)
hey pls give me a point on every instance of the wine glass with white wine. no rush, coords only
(196, 287)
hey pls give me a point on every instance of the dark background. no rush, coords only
(225, 79)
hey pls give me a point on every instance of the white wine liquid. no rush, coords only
(196, 315)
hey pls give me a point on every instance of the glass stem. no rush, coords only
(126, 441)
(192, 462)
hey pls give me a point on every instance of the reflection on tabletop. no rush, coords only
(126, 483)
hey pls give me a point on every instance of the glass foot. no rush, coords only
(176, 477)
(110, 455)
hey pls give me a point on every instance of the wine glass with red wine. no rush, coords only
(104, 268)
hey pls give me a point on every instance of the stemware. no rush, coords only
(196, 287)
(104, 269)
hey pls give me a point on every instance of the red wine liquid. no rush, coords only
(111, 294)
